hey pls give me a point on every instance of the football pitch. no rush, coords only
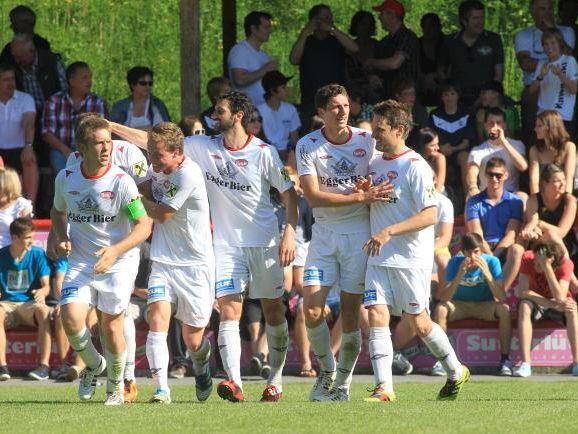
(486, 405)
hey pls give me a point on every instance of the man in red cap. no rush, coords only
(398, 52)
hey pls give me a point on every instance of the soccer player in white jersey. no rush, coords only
(130, 159)
(239, 171)
(107, 222)
(401, 253)
(182, 276)
(331, 162)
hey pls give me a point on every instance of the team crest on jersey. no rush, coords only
(140, 168)
(359, 152)
(107, 194)
(227, 170)
(241, 162)
(344, 167)
(88, 204)
(392, 174)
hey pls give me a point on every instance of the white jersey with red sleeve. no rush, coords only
(96, 213)
(184, 239)
(125, 155)
(414, 191)
(337, 168)
(238, 183)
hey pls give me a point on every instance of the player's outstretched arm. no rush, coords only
(137, 137)
(322, 199)
(108, 255)
(287, 244)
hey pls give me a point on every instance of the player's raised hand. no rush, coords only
(108, 256)
(373, 246)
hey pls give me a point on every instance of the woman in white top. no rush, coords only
(142, 109)
(12, 204)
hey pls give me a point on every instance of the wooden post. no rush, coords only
(190, 57)
(229, 19)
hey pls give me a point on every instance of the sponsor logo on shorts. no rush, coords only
(224, 285)
(369, 295)
(359, 153)
(69, 292)
(107, 194)
(313, 274)
(156, 291)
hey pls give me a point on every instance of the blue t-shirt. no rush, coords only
(473, 286)
(494, 218)
(18, 279)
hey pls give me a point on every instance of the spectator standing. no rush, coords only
(320, 51)
(23, 20)
(25, 284)
(62, 110)
(473, 55)
(12, 204)
(142, 109)
(568, 16)
(247, 62)
(544, 280)
(398, 52)
(17, 124)
(529, 52)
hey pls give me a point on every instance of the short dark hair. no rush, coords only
(430, 16)
(494, 111)
(215, 87)
(137, 72)
(466, 7)
(254, 18)
(316, 10)
(496, 162)
(471, 241)
(22, 226)
(325, 93)
(74, 67)
(22, 11)
(550, 249)
(239, 102)
(402, 84)
(396, 114)
(85, 129)
(358, 18)
(447, 85)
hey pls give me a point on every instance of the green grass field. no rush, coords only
(483, 407)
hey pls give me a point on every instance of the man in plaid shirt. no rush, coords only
(62, 109)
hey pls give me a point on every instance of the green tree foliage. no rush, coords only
(114, 35)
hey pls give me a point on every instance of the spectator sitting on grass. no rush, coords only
(544, 280)
(24, 282)
(474, 291)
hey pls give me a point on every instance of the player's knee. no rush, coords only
(42, 314)
(503, 311)
(524, 309)
(313, 314)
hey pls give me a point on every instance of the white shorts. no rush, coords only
(301, 249)
(257, 267)
(108, 292)
(336, 258)
(189, 288)
(404, 289)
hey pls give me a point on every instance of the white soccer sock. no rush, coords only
(230, 349)
(438, 343)
(348, 353)
(201, 357)
(277, 341)
(158, 358)
(114, 370)
(381, 356)
(130, 338)
(321, 346)
(82, 344)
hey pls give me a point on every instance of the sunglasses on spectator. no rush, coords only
(498, 176)
(199, 132)
(145, 83)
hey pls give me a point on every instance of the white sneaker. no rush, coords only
(524, 370)
(339, 394)
(438, 370)
(322, 387)
(87, 385)
(115, 398)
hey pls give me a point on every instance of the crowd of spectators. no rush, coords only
(509, 168)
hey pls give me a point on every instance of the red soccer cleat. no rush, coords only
(230, 391)
(271, 394)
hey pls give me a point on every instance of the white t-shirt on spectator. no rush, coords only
(530, 40)
(479, 155)
(279, 124)
(244, 56)
(238, 183)
(553, 94)
(17, 209)
(12, 135)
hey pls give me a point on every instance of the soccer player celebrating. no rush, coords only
(401, 253)
(107, 222)
(183, 269)
(331, 162)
